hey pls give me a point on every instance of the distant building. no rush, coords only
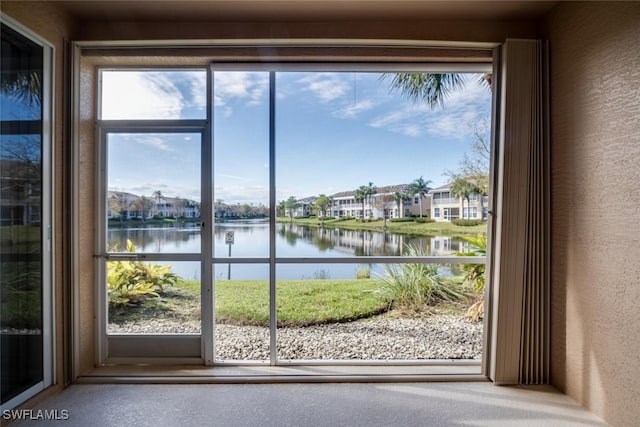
(445, 207)
(130, 206)
(20, 194)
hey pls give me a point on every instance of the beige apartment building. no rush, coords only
(445, 207)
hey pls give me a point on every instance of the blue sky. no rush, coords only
(334, 132)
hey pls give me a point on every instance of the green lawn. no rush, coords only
(299, 302)
(414, 228)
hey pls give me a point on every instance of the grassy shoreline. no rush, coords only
(300, 303)
(409, 228)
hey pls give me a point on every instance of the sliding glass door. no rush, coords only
(155, 216)
(25, 216)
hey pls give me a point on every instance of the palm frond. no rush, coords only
(430, 88)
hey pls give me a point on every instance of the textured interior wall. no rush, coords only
(86, 198)
(595, 104)
(55, 27)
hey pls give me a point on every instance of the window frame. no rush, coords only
(47, 219)
(404, 67)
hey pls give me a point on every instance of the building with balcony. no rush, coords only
(445, 207)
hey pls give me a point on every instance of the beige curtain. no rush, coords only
(519, 272)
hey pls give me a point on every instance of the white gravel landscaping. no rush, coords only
(378, 338)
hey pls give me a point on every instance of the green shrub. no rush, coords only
(130, 282)
(21, 303)
(475, 274)
(466, 222)
(424, 220)
(402, 219)
(415, 285)
(363, 272)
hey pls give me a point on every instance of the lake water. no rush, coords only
(251, 240)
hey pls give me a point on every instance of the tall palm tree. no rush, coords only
(360, 196)
(429, 88)
(461, 188)
(157, 195)
(400, 197)
(371, 190)
(291, 204)
(421, 188)
(322, 204)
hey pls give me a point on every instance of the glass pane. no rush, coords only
(159, 94)
(363, 170)
(376, 312)
(21, 349)
(242, 311)
(153, 198)
(241, 163)
(153, 297)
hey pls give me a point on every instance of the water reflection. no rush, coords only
(170, 238)
(292, 241)
(364, 242)
(252, 240)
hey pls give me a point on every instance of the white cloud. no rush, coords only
(352, 111)
(249, 87)
(409, 121)
(151, 140)
(140, 95)
(326, 86)
(198, 89)
(462, 107)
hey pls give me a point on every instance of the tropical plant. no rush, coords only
(371, 190)
(130, 282)
(475, 274)
(400, 197)
(420, 187)
(323, 202)
(461, 188)
(430, 88)
(290, 205)
(416, 285)
(157, 195)
(363, 272)
(360, 196)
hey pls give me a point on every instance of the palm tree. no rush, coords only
(400, 197)
(291, 204)
(157, 196)
(360, 196)
(427, 87)
(25, 86)
(371, 190)
(322, 204)
(420, 187)
(281, 208)
(463, 189)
